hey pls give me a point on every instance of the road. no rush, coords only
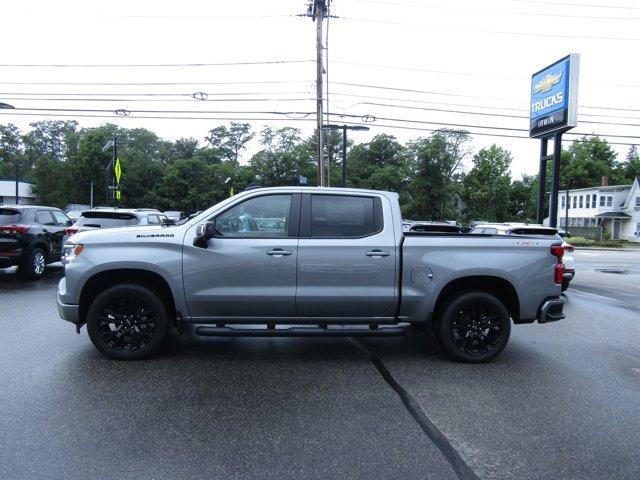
(561, 402)
(611, 273)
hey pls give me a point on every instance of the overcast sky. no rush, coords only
(473, 56)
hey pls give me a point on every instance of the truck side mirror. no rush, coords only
(205, 231)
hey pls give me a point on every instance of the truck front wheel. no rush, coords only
(474, 327)
(127, 322)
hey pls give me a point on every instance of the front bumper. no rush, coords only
(551, 310)
(70, 313)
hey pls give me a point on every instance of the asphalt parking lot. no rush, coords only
(561, 402)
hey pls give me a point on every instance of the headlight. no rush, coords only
(71, 251)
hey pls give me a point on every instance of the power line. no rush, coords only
(137, 65)
(431, 92)
(563, 4)
(244, 118)
(145, 84)
(468, 74)
(501, 12)
(300, 115)
(496, 32)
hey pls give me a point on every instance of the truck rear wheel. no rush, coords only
(127, 322)
(474, 327)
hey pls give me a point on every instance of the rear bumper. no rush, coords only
(10, 259)
(551, 310)
(70, 313)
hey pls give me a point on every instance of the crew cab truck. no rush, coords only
(296, 261)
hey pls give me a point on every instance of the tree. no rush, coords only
(487, 185)
(588, 160)
(283, 160)
(11, 150)
(522, 199)
(48, 147)
(229, 142)
(630, 169)
(436, 159)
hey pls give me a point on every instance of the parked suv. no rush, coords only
(102, 217)
(31, 237)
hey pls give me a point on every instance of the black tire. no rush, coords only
(34, 266)
(127, 322)
(474, 327)
(565, 285)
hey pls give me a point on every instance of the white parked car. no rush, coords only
(532, 229)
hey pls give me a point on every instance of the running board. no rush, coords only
(212, 331)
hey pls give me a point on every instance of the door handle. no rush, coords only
(377, 253)
(278, 252)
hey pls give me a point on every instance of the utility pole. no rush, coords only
(318, 12)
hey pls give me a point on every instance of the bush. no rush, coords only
(606, 236)
(581, 241)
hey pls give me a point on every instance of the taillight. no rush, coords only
(71, 230)
(558, 272)
(20, 229)
(568, 248)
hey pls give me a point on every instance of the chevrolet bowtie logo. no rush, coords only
(547, 83)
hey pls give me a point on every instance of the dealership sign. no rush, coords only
(554, 97)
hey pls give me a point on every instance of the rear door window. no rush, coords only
(344, 216)
(9, 216)
(61, 219)
(44, 217)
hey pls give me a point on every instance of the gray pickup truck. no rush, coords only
(298, 261)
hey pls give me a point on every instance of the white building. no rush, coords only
(615, 208)
(8, 193)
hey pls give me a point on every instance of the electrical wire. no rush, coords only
(591, 5)
(377, 125)
(141, 65)
(492, 11)
(496, 32)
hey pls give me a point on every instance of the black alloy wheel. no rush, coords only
(475, 327)
(127, 322)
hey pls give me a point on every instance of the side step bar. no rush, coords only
(212, 331)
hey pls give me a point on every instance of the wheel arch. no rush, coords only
(99, 282)
(497, 286)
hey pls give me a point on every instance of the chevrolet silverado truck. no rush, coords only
(306, 261)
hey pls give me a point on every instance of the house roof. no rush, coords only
(613, 215)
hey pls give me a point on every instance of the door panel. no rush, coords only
(346, 277)
(249, 269)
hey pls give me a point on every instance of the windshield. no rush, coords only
(99, 219)
(9, 216)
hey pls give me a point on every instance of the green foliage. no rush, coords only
(581, 241)
(434, 162)
(606, 235)
(487, 185)
(63, 160)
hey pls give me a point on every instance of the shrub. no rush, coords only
(581, 241)
(606, 236)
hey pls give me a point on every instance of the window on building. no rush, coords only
(593, 201)
(609, 201)
(580, 200)
(637, 232)
(602, 197)
(586, 202)
(637, 202)
(563, 202)
(574, 200)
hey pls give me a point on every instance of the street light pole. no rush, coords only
(344, 129)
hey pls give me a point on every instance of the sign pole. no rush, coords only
(555, 180)
(554, 110)
(542, 180)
